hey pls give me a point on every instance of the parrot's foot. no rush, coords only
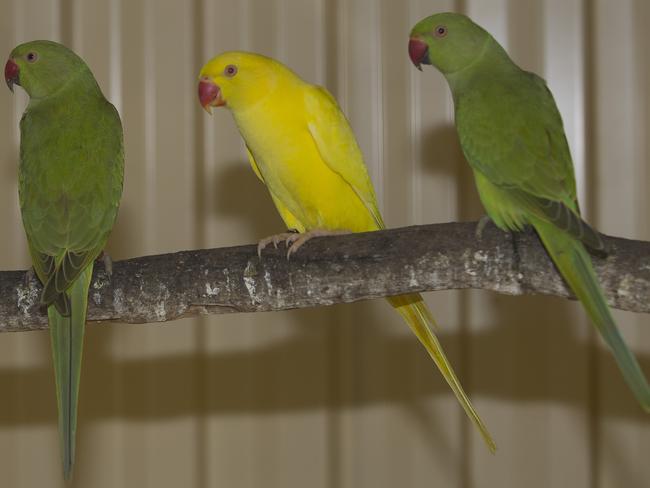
(483, 221)
(29, 274)
(275, 240)
(108, 263)
(295, 241)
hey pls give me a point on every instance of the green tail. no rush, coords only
(574, 264)
(67, 334)
(417, 316)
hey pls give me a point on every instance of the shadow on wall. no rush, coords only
(237, 195)
(240, 195)
(443, 157)
(441, 152)
(516, 374)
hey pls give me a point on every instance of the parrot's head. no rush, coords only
(237, 80)
(448, 41)
(41, 67)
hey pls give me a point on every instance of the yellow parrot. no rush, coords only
(301, 146)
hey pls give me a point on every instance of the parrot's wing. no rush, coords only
(337, 146)
(289, 218)
(520, 147)
(62, 275)
(517, 141)
(562, 217)
(45, 266)
(254, 165)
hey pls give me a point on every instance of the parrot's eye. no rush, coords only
(441, 31)
(32, 57)
(230, 71)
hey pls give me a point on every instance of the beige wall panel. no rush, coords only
(159, 91)
(342, 396)
(621, 131)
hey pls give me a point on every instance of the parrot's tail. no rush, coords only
(67, 335)
(574, 264)
(419, 318)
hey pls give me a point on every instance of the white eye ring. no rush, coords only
(230, 70)
(440, 31)
(31, 57)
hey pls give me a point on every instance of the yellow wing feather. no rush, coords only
(289, 219)
(254, 165)
(338, 147)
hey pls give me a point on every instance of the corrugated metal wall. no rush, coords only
(344, 396)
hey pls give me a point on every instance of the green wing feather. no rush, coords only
(516, 138)
(563, 217)
(518, 144)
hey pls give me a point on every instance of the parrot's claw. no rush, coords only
(29, 274)
(483, 221)
(274, 239)
(295, 241)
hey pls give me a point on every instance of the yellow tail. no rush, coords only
(419, 318)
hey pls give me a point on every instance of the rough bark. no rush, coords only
(331, 270)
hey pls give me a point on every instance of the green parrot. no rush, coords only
(70, 183)
(512, 135)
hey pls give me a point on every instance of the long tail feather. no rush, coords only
(417, 316)
(574, 264)
(66, 335)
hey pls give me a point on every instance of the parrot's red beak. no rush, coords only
(210, 94)
(12, 72)
(418, 52)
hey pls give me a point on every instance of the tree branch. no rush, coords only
(331, 270)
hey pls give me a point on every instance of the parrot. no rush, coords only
(300, 145)
(70, 179)
(512, 135)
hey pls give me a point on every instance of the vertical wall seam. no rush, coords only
(590, 154)
(115, 54)
(378, 95)
(149, 64)
(197, 23)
